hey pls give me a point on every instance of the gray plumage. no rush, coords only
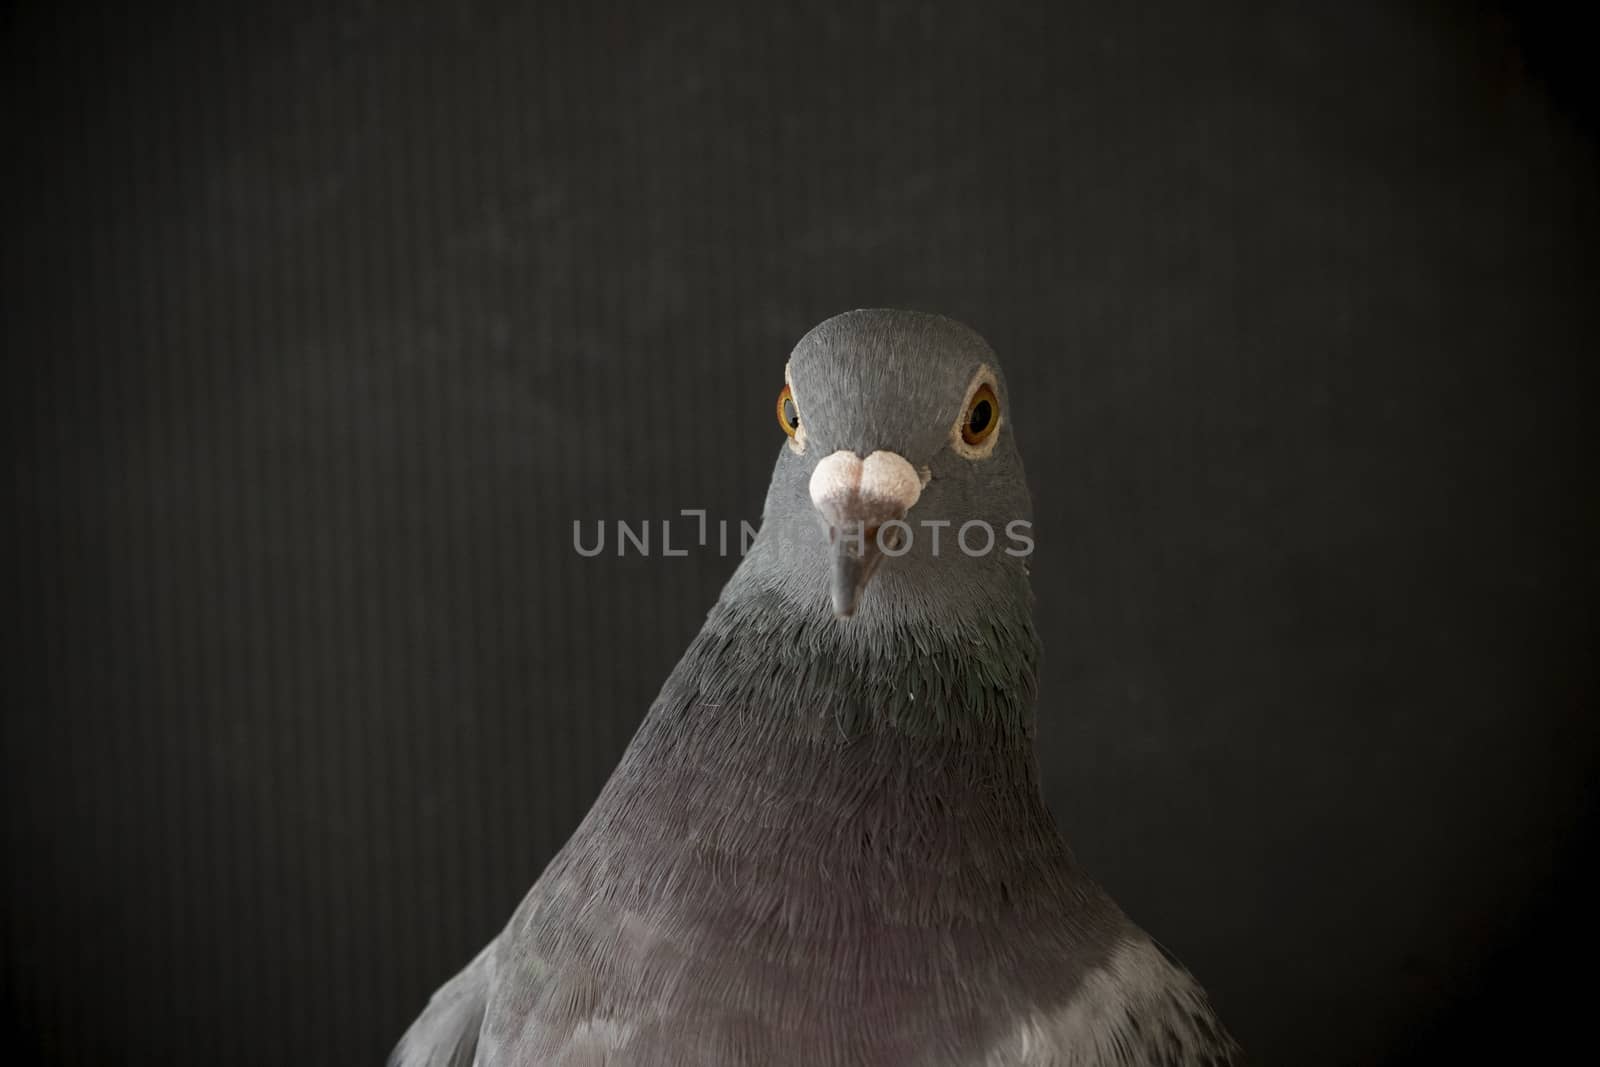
(826, 843)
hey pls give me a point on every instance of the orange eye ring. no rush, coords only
(788, 412)
(982, 417)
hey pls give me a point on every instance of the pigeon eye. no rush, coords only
(982, 416)
(788, 413)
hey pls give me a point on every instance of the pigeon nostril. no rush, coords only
(848, 489)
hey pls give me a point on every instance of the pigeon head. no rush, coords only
(899, 453)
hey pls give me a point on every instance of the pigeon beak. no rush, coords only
(855, 497)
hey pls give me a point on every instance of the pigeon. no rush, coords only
(827, 842)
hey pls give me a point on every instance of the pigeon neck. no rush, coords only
(798, 669)
(790, 743)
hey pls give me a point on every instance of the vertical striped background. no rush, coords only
(322, 326)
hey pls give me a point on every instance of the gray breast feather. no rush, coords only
(1137, 1010)
(446, 1033)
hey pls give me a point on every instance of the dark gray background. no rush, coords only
(322, 327)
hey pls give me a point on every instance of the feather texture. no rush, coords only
(446, 1033)
(826, 844)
